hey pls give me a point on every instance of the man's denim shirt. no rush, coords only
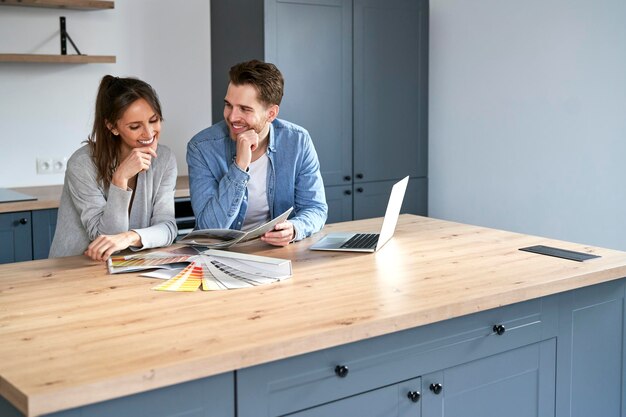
(218, 186)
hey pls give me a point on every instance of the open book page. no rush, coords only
(213, 238)
(267, 227)
(223, 238)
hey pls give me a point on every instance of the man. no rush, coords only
(251, 167)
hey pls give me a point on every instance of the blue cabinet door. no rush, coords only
(44, 226)
(591, 354)
(339, 200)
(517, 383)
(370, 199)
(16, 242)
(310, 41)
(390, 89)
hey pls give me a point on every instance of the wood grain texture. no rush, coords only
(58, 59)
(62, 4)
(73, 335)
(49, 196)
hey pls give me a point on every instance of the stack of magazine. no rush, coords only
(187, 269)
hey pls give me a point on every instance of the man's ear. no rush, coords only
(272, 112)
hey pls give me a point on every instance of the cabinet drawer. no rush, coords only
(304, 381)
(391, 400)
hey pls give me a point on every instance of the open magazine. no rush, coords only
(224, 238)
(186, 269)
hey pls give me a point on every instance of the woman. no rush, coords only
(119, 188)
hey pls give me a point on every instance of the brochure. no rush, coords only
(224, 238)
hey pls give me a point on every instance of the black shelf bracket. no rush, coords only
(65, 37)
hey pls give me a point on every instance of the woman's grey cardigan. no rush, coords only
(87, 210)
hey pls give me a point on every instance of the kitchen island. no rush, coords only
(441, 307)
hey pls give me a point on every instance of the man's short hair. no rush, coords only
(263, 76)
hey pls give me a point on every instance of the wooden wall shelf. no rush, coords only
(58, 59)
(61, 4)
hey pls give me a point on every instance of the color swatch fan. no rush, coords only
(210, 270)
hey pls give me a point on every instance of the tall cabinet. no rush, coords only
(356, 76)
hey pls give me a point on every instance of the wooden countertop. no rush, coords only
(49, 196)
(73, 335)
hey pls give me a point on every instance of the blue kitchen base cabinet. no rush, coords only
(207, 397)
(16, 242)
(444, 363)
(560, 355)
(44, 226)
(26, 235)
(591, 352)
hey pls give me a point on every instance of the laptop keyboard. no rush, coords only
(362, 241)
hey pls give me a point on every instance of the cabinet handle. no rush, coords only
(414, 396)
(347, 192)
(359, 190)
(436, 388)
(341, 371)
(347, 178)
(499, 329)
(24, 220)
(359, 176)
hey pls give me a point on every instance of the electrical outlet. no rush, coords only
(54, 165)
(44, 166)
(59, 165)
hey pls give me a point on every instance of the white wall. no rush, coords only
(47, 109)
(527, 102)
(528, 117)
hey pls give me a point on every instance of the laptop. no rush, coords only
(368, 242)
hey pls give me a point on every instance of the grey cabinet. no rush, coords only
(370, 198)
(339, 200)
(515, 383)
(311, 43)
(390, 89)
(213, 396)
(356, 76)
(44, 226)
(26, 235)
(382, 376)
(16, 242)
(591, 354)
(519, 382)
(560, 355)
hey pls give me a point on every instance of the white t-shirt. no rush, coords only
(258, 209)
